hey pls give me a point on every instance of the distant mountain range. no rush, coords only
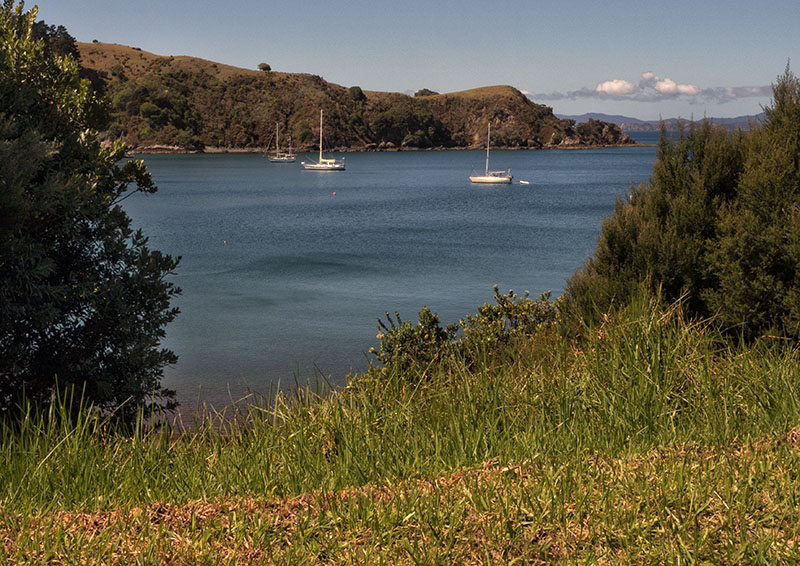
(629, 124)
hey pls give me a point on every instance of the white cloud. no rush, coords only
(652, 88)
(616, 87)
(668, 86)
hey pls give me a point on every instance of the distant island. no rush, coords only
(182, 103)
(629, 124)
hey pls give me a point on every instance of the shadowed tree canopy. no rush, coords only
(719, 220)
(56, 40)
(83, 300)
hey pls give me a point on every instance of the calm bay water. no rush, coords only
(285, 271)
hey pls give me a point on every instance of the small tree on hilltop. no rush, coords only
(83, 300)
(264, 67)
(356, 94)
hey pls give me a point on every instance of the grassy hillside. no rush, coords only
(106, 57)
(643, 439)
(193, 103)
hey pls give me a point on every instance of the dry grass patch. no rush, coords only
(723, 505)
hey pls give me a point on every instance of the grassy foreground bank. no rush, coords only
(644, 439)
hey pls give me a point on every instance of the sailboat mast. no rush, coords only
(320, 135)
(277, 140)
(488, 136)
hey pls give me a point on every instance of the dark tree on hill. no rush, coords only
(719, 220)
(57, 41)
(356, 94)
(83, 300)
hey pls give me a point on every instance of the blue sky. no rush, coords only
(638, 58)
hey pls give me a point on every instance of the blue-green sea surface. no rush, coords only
(285, 271)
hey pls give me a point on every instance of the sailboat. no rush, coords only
(492, 177)
(278, 156)
(323, 164)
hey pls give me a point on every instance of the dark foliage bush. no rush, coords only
(719, 220)
(493, 329)
(83, 300)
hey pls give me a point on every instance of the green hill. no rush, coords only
(191, 103)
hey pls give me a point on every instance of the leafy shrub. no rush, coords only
(425, 92)
(718, 220)
(150, 111)
(303, 133)
(83, 300)
(412, 125)
(494, 327)
(186, 138)
(403, 344)
(510, 318)
(356, 94)
(145, 132)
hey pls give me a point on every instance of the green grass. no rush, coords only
(646, 439)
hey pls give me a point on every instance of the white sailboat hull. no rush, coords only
(338, 166)
(281, 158)
(492, 179)
(324, 165)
